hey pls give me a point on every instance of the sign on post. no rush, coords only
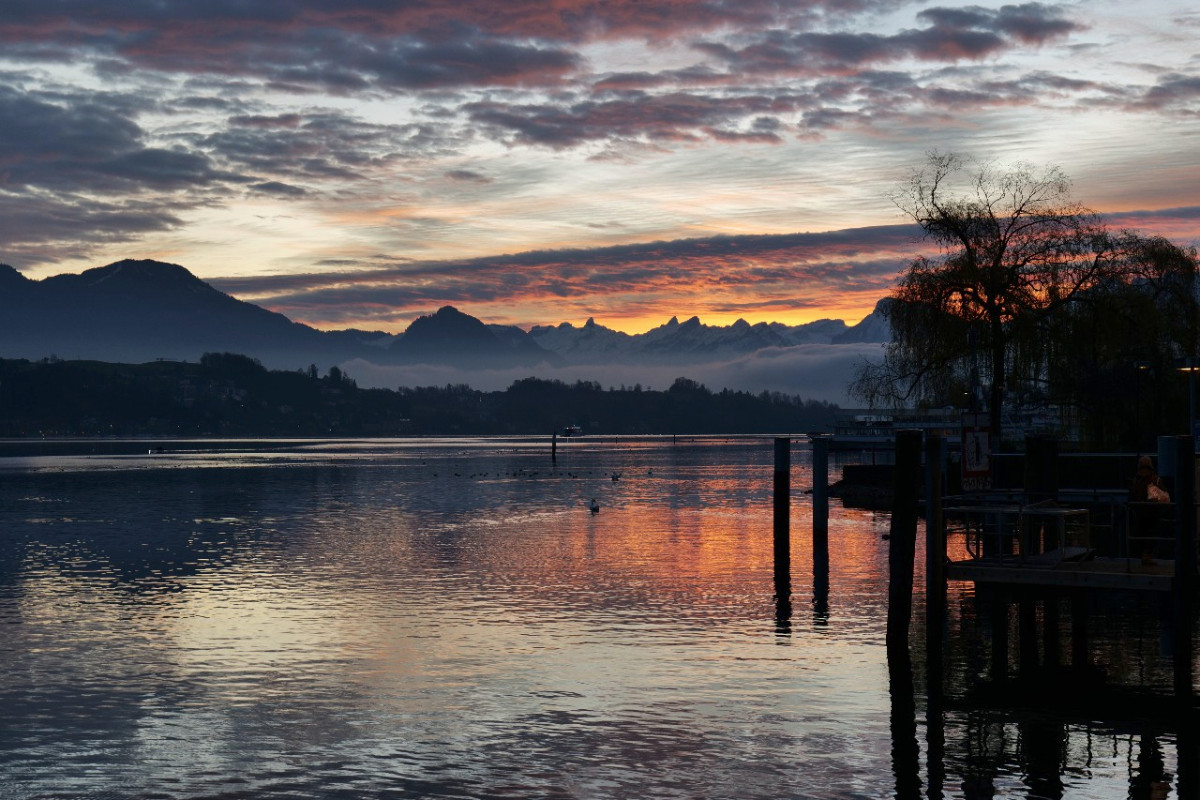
(976, 450)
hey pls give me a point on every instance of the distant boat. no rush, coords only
(572, 430)
(594, 506)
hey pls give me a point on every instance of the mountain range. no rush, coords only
(142, 310)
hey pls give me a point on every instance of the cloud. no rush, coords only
(953, 34)
(760, 275)
(676, 116)
(46, 228)
(278, 189)
(77, 174)
(467, 176)
(446, 129)
(142, 28)
(74, 143)
(316, 145)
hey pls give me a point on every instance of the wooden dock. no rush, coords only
(1050, 570)
(1037, 552)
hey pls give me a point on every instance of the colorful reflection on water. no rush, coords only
(448, 618)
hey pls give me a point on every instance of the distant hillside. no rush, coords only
(144, 310)
(458, 339)
(232, 395)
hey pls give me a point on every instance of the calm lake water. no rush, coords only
(448, 619)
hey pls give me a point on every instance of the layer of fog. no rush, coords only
(814, 372)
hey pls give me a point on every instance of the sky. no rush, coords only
(358, 163)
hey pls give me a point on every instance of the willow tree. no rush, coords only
(1112, 356)
(1014, 249)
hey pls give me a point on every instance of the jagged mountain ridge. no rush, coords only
(145, 310)
(692, 341)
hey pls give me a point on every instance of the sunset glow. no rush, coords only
(534, 163)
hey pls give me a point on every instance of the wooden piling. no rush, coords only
(935, 555)
(1051, 634)
(783, 510)
(820, 531)
(1185, 561)
(998, 617)
(902, 543)
(1187, 753)
(906, 750)
(1079, 631)
(935, 614)
(1027, 643)
(554, 447)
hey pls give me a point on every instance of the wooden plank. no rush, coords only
(1097, 574)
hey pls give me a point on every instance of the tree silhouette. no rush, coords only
(1016, 252)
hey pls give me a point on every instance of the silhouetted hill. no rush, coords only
(873, 328)
(452, 337)
(144, 310)
(232, 395)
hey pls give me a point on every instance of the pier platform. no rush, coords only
(1055, 569)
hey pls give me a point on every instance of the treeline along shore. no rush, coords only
(227, 394)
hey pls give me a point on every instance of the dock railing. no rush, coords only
(1042, 534)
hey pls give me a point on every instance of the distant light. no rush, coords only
(1188, 364)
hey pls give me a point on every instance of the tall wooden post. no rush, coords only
(1079, 631)
(820, 531)
(998, 617)
(902, 543)
(783, 511)
(554, 447)
(935, 551)
(935, 614)
(1027, 632)
(1185, 560)
(1051, 634)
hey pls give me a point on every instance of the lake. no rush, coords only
(447, 618)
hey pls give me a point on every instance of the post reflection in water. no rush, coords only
(449, 619)
(1046, 731)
